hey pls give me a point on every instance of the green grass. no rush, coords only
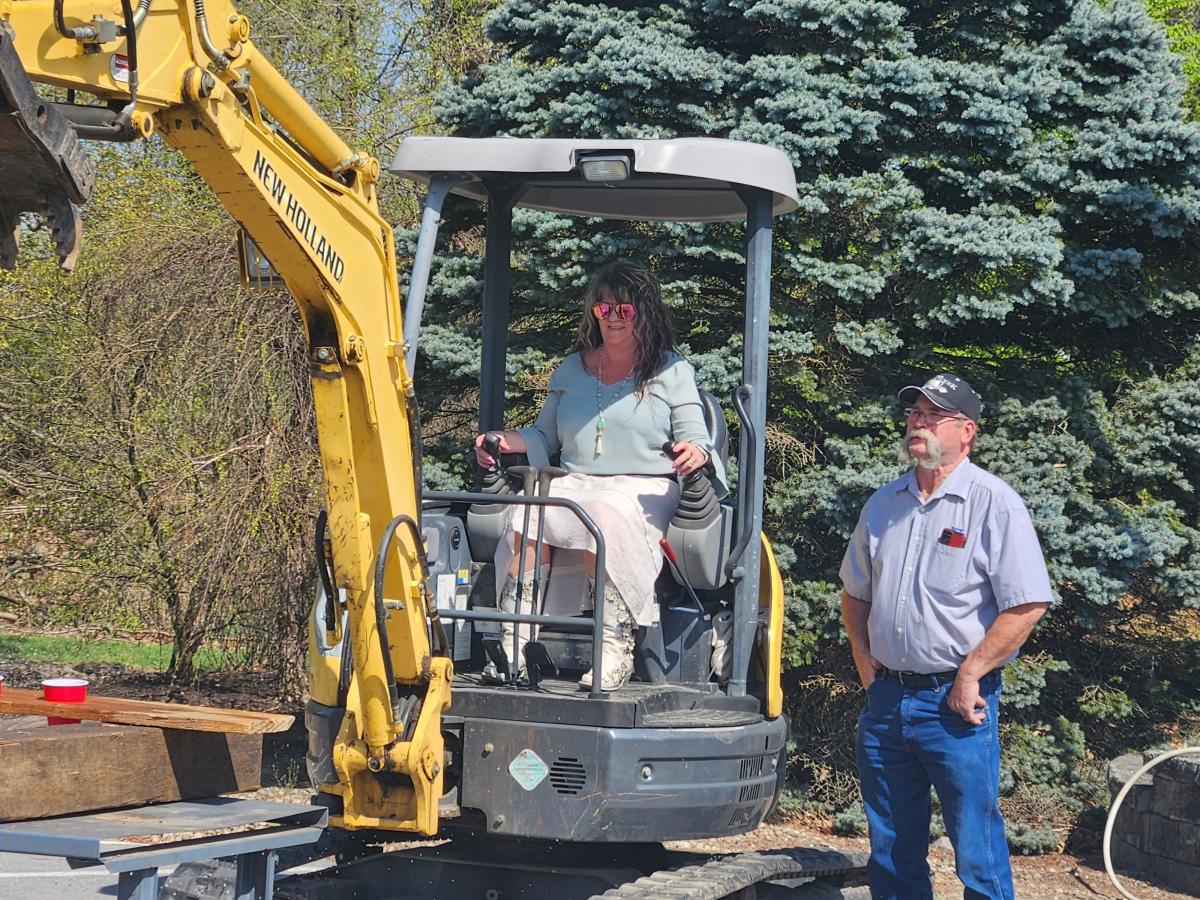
(33, 648)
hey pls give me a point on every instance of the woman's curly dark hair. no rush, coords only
(624, 282)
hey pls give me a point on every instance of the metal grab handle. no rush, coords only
(545, 475)
(529, 477)
(441, 497)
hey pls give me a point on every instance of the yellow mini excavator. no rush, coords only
(539, 788)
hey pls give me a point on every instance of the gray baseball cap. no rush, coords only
(947, 391)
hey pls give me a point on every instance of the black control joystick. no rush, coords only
(491, 446)
(692, 479)
(492, 479)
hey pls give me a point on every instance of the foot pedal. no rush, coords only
(538, 664)
(496, 670)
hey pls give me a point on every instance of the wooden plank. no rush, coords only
(65, 769)
(120, 711)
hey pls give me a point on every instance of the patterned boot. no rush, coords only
(523, 633)
(617, 658)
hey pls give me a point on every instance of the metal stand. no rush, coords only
(97, 839)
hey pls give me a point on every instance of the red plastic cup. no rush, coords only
(64, 690)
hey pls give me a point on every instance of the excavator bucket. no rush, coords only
(43, 167)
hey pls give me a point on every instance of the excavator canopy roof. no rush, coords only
(683, 179)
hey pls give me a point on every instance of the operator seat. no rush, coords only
(702, 528)
(714, 420)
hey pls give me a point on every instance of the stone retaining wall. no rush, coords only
(1157, 831)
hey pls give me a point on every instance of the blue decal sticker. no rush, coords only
(528, 769)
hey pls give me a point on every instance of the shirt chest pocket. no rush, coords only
(946, 568)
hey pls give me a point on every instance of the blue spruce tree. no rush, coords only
(1006, 189)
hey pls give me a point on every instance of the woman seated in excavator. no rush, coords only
(624, 411)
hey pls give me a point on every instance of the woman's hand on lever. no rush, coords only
(688, 458)
(510, 442)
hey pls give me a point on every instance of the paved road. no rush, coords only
(50, 878)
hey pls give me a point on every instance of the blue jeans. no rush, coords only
(909, 739)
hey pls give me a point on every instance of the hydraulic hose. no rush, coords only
(323, 571)
(439, 634)
(121, 125)
(1112, 813)
(139, 15)
(88, 32)
(118, 129)
(82, 33)
(220, 59)
(381, 611)
(345, 671)
(331, 608)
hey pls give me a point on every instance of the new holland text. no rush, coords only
(299, 218)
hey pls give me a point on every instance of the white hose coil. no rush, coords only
(1112, 813)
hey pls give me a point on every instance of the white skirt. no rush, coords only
(632, 512)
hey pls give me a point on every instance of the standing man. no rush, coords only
(942, 582)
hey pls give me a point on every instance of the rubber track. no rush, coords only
(726, 875)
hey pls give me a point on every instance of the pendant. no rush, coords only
(599, 435)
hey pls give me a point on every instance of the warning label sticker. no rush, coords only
(528, 769)
(118, 68)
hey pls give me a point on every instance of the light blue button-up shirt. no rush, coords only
(938, 572)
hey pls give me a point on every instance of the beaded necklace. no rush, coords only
(601, 390)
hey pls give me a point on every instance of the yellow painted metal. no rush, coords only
(167, 45)
(323, 670)
(325, 237)
(368, 801)
(275, 94)
(770, 647)
(170, 43)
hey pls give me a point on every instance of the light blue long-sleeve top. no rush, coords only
(635, 428)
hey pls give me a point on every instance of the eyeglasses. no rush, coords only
(603, 310)
(930, 417)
